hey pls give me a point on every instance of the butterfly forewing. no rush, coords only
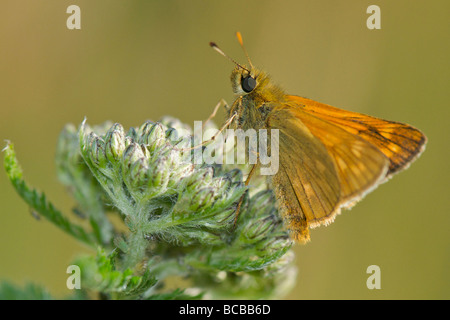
(399, 142)
(359, 165)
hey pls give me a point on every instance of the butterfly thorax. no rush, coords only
(253, 107)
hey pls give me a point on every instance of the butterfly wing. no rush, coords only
(306, 184)
(323, 166)
(399, 142)
(360, 165)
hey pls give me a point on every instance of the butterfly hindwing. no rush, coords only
(306, 184)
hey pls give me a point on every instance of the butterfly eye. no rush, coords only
(248, 84)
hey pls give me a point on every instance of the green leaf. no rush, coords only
(101, 274)
(73, 172)
(38, 201)
(30, 291)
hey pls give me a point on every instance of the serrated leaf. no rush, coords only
(100, 273)
(38, 201)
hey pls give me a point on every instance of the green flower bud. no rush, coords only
(275, 243)
(257, 230)
(132, 154)
(182, 128)
(158, 174)
(138, 173)
(200, 177)
(132, 134)
(261, 219)
(172, 134)
(115, 142)
(152, 134)
(202, 199)
(128, 141)
(235, 175)
(99, 152)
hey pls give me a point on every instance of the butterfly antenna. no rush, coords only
(216, 47)
(241, 42)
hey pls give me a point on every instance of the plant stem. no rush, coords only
(137, 244)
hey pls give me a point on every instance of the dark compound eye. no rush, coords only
(248, 84)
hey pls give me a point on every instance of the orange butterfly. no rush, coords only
(328, 158)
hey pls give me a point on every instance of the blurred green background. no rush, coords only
(138, 60)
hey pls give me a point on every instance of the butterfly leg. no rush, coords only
(226, 125)
(221, 103)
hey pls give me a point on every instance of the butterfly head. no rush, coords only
(255, 85)
(246, 80)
